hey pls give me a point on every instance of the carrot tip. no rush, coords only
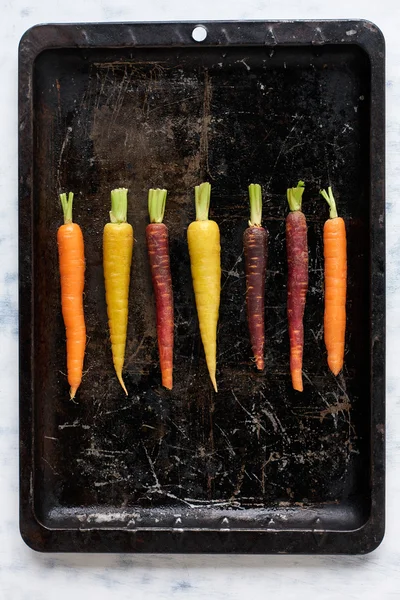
(72, 393)
(167, 383)
(166, 378)
(122, 383)
(260, 364)
(297, 382)
(335, 370)
(298, 387)
(214, 382)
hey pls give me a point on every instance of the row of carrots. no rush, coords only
(204, 250)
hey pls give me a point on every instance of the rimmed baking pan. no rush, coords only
(257, 467)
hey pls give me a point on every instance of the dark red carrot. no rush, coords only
(255, 240)
(297, 256)
(158, 250)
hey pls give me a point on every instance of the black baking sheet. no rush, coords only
(257, 467)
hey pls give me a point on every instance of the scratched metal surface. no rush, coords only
(174, 118)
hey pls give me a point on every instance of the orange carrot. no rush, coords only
(335, 268)
(72, 273)
(297, 256)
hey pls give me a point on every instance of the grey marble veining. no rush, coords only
(25, 574)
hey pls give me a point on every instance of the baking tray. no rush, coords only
(258, 467)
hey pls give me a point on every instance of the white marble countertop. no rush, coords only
(26, 574)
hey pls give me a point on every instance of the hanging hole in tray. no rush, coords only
(199, 34)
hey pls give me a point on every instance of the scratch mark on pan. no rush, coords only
(76, 423)
(58, 87)
(297, 120)
(252, 417)
(169, 495)
(228, 443)
(273, 417)
(111, 482)
(102, 87)
(133, 356)
(157, 485)
(342, 386)
(232, 271)
(299, 145)
(182, 449)
(334, 409)
(124, 63)
(99, 452)
(315, 387)
(64, 145)
(190, 366)
(327, 164)
(243, 60)
(51, 467)
(204, 166)
(239, 483)
(256, 147)
(254, 477)
(211, 503)
(341, 383)
(319, 334)
(117, 410)
(163, 106)
(122, 89)
(156, 489)
(180, 429)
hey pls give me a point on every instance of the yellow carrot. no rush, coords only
(205, 250)
(117, 258)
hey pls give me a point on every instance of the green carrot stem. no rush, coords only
(157, 199)
(67, 206)
(255, 205)
(119, 205)
(202, 201)
(331, 201)
(294, 196)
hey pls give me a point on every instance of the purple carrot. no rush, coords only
(255, 240)
(297, 256)
(158, 250)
